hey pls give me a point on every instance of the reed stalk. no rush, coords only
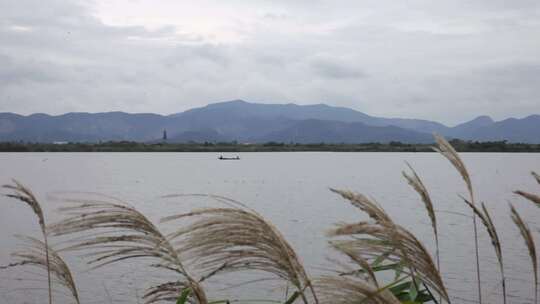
(531, 247)
(34, 253)
(446, 150)
(382, 236)
(494, 236)
(530, 196)
(24, 195)
(341, 290)
(536, 176)
(112, 231)
(236, 238)
(416, 183)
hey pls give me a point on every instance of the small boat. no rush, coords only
(228, 158)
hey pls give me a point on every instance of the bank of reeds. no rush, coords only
(232, 238)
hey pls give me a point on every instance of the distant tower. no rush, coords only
(164, 134)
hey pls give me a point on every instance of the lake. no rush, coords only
(292, 191)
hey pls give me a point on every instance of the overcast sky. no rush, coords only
(446, 60)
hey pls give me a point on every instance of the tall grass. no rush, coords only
(237, 238)
(446, 149)
(232, 238)
(340, 290)
(495, 241)
(531, 247)
(35, 253)
(536, 176)
(414, 180)
(23, 194)
(111, 231)
(370, 240)
(530, 196)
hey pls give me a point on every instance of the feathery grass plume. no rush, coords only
(358, 259)
(446, 150)
(23, 194)
(536, 176)
(529, 242)
(35, 254)
(168, 292)
(341, 290)
(237, 238)
(495, 241)
(371, 207)
(417, 184)
(386, 237)
(532, 197)
(371, 240)
(124, 233)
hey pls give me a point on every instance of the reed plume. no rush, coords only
(414, 181)
(531, 197)
(23, 194)
(494, 236)
(168, 292)
(370, 207)
(35, 254)
(124, 233)
(446, 150)
(342, 290)
(360, 261)
(529, 242)
(536, 176)
(237, 238)
(383, 237)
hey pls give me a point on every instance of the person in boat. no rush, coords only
(227, 158)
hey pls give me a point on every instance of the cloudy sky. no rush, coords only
(447, 60)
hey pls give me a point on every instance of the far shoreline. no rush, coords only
(234, 147)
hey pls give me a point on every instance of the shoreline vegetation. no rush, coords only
(131, 146)
(381, 261)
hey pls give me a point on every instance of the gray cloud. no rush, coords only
(444, 60)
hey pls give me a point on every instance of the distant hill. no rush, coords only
(254, 122)
(464, 130)
(315, 131)
(526, 130)
(240, 109)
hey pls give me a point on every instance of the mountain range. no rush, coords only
(255, 122)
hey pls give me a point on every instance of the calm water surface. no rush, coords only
(289, 189)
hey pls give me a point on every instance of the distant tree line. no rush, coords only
(131, 146)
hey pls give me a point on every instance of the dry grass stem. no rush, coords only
(417, 184)
(236, 239)
(35, 254)
(124, 233)
(529, 242)
(341, 290)
(494, 236)
(23, 194)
